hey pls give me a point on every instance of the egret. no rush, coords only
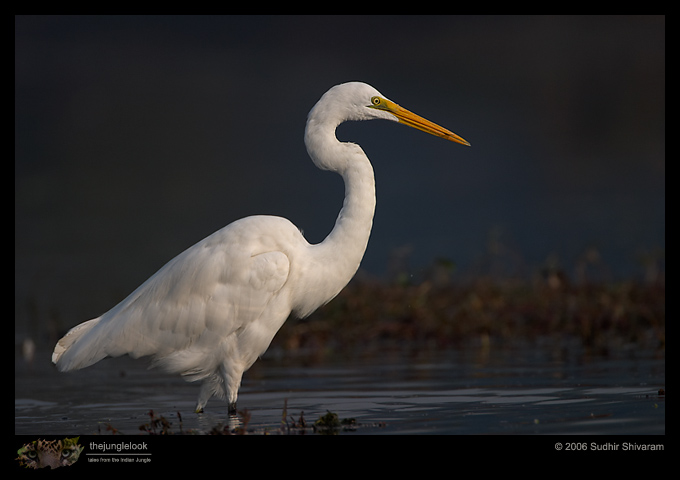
(210, 312)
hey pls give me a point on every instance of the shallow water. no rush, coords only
(521, 391)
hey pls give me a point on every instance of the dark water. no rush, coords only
(521, 391)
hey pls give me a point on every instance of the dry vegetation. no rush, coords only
(370, 316)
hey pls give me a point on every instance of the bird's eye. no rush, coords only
(375, 101)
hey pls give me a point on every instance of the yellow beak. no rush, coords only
(416, 121)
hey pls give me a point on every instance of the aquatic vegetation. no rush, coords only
(327, 424)
(371, 317)
(158, 425)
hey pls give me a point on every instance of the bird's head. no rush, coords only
(360, 101)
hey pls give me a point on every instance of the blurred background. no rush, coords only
(136, 137)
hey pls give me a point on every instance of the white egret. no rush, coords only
(210, 312)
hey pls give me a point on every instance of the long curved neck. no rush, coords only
(353, 225)
(337, 258)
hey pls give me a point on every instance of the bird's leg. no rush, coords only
(204, 395)
(231, 381)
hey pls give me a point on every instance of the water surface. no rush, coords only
(520, 391)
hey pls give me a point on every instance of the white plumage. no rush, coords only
(210, 312)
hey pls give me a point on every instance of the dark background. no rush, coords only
(135, 137)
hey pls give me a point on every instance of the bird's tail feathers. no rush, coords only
(67, 341)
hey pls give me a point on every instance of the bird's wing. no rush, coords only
(194, 302)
